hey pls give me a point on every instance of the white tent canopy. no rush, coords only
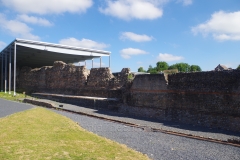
(34, 54)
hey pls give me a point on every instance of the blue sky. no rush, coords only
(136, 32)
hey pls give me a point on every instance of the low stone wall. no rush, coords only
(88, 102)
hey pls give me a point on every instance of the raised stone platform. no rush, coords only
(83, 101)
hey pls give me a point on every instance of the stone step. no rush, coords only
(83, 101)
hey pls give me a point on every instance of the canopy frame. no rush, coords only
(36, 54)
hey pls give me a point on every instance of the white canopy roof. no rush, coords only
(38, 54)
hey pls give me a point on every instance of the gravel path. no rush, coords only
(9, 107)
(156, 145)
(158, 124)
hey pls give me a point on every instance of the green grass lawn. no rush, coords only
(42, 134)
(11, 97)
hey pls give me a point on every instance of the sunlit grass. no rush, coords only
(42, 134)
(11, 97)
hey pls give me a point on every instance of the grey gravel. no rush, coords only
(9, 107)
(156, 145)
(158, 124)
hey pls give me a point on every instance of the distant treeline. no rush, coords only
(161, 66)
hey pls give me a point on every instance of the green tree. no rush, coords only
(195, 68)
(161, 66)
(152, 70)
(238, 68)
(149, 68)
(182, 67)
(140, 69)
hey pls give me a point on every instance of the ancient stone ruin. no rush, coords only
(209, 99)
(69, 79)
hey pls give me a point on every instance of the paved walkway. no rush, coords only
(148, 123)
(9, 107)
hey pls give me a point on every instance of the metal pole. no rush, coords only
(10, 69)
(85, 63)
(14, 83)
(109, 61)
(2, 73)
(92, 63)
(5, 75)
(100, 62)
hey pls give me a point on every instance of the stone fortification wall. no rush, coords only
(99, 77)
(31, 79)
(62, 78)
(188, 98)
(103, 78)
(209, 99)
(149, 82)
(120, 79)
(58, 77)
(146, 91)
(213, 81)
(68, 77)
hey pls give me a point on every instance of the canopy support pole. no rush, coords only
(10, 69)
(2, 73)
(14, 83)
(5, 74)
(109, 61)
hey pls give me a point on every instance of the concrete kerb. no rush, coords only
(85, 101)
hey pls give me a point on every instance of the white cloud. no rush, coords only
(34, 20)
(17, 28)
(2, 45)
(222, 26)
(168, 57)
(84, 43)
(48, 6)
(135, 37)
(185, 2)
(128, 52)
(134, 9)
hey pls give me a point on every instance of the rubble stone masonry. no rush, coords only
(62, 78)
(210, 99)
